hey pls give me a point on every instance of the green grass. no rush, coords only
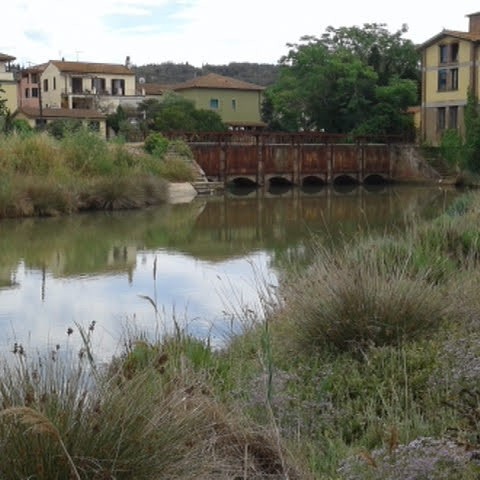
(365, 365)
(43, 176)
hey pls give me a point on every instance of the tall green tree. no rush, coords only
(389, 54)
(320, 90)
(388, 115)
(472, 134)
(340, 81)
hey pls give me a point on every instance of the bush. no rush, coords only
(156, 144)
(351, 305)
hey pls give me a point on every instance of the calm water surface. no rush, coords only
(198, 263)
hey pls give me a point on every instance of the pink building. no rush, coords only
(28, 87)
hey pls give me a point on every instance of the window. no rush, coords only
(94, 126)
(442, 79)
(234, 104)
(77, 85)
(448, 53)
(27, 93)
(441, 118)
(35, 92)
(447, 79)
(214, 103)
(443, 53)
(45, 85)
(454, 52)
(98, 85)
(118, 86)
(33, 78)
(453, 117)
(454, 79)
(54, 83)
(40, 123)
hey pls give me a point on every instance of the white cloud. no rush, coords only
(198, 31)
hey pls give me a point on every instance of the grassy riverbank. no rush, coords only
(40, 175)
(366, 365)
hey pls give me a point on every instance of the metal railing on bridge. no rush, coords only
(282, 138)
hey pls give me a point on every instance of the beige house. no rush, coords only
(40, 117)
(7, 82)
(450, 68)
(86, 85)
(238, 103)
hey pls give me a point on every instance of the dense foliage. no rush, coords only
(463, 152)
(173, 113)
(358, 80)
(263, 74)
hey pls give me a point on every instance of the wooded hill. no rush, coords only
(168, 73)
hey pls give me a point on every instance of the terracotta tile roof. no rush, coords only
(62, 113)
(213, 80)
(156, 88)
(88, 67)
(471, 37)
(6, 58)
(35, 68)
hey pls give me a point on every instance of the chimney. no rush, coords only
(474, 24)
(128, 63)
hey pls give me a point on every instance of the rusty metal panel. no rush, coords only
(278, 159)
(314, 159)
(241, 160)
(209, 158)
(346, 159)
(376, 158)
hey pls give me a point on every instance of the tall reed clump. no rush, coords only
(350, 305)
(60, 420)
(150, 414)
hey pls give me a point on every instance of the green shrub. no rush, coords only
(349, 305)
(156, 144)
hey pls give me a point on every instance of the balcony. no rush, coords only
(88, 93)
(6, 77)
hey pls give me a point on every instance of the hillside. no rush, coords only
(168, 72)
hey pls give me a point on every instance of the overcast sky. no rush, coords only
(200, 31)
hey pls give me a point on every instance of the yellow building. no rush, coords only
(238, 103)
(450, 68)
(7, 82)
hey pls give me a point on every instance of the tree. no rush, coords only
(321, 90)
(4, 111)
(388, 115)
(343, 80)
(176, 113)
(389, 54)
(114, 120)
(472, 134)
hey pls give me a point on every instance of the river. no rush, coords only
(197, 265)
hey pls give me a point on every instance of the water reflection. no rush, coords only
(208, 256)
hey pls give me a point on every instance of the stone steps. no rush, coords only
(208, 188)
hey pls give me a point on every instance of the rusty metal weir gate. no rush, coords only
(295, 158)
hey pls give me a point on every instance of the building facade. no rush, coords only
(450, 69)
(238, 103)
(78, 85)
(7, 82)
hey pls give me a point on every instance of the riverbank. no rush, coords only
(363, 365)
(43, 176)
